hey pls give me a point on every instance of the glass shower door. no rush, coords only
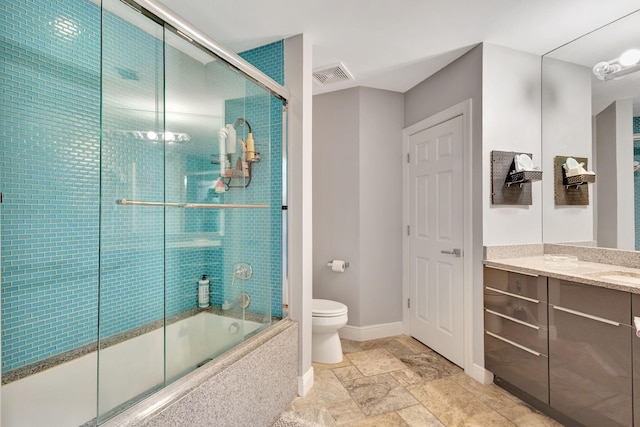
(132, 257)
(218, 167)
(190, 220)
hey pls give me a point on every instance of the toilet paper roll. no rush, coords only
(338, 265)
(636, 323)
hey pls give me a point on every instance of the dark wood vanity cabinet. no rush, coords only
(635, 346)
(515, 337)
(590, 357)
(567, 348)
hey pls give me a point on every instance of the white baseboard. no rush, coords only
(480, 374)
(371, 332)
(305, 382)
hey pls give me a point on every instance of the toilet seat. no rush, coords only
(327, 308)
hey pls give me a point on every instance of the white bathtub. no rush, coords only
(66, 395)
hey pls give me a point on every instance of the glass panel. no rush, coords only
(49, 177)
(193, 119)
(207, 102)
(256, 233)
(83, 106)
(131, 237)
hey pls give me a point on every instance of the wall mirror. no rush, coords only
(591, 108)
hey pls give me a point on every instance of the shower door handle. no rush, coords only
(455, 252)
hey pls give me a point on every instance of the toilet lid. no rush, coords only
(326, 308)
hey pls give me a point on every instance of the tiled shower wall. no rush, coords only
(54, 265)
(49, 160)
(261, 230)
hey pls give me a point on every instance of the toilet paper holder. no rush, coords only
(330, 264)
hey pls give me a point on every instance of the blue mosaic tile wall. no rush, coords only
(636, 180)
(50, 117)
(132, 259)
(255, 236)
(65, 242)
(270, 60)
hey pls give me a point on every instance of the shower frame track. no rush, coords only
(196, 37)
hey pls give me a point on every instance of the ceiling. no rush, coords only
(394, 45)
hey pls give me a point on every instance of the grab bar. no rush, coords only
(189, 205)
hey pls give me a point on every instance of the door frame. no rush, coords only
(462, 109)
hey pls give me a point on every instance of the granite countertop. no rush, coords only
(589, 273)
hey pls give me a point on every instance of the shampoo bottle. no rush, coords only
(203, 291)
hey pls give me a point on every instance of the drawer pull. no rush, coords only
(513, 319)
(500, 291)
(521, 347)
(585, 315)
(508, 270)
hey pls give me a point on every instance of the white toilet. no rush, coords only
(328, 317)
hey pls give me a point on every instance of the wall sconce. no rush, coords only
(627, 63)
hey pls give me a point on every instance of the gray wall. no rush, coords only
(613, 147)
(381, 123)
(457, 82)
(336, 183)
(566, 131)
(606, 157)
(511, 103)
(297, 75)
(357, 199)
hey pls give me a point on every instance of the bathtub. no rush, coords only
(66, 395)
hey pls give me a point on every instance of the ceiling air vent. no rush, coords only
(332, 74)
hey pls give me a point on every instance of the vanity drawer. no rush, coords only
(517, 284)
(527, 370)
(519, 308)
(590, 377)
(607, 304)
(534, 337)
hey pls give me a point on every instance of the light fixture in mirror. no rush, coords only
(591, 112)
(627, 63)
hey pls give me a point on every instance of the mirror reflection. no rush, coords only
(591, 109)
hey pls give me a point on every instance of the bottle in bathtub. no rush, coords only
(203, 291)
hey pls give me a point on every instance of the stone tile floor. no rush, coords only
(398, 381)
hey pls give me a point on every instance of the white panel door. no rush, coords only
(436, 238)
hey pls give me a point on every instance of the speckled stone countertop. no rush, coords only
(589, 273)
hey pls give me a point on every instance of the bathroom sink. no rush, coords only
(619, 276)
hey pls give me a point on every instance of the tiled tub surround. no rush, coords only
(51, 362)
(54, 167)
(191, 341)
(249, 386)
(71, 256)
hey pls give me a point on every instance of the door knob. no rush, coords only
(455, 252)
